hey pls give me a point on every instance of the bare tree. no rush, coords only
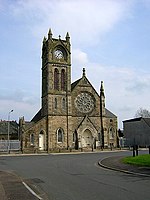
(141, 112)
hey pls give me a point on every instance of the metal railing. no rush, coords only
(10, 145)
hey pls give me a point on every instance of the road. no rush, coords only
(77, 177)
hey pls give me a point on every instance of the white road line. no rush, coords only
(31, 191)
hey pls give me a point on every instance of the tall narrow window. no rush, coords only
(63, 79)
(60, 135)
(63, 104)
(55, 103)
(32, 139)
(73, 138)
(56, 79)
(111, 133)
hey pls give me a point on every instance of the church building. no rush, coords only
(72, 115)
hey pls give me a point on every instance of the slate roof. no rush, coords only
(4, 127)
(109, 114)
(146, 120)
(37, 117)
(133, 120)
(75, 83)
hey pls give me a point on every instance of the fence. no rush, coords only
(10, 145)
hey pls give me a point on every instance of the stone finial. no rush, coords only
(67, 37)
(102, 88)
(44, 39)
(50, 34)
(59, 37)
(83, 72)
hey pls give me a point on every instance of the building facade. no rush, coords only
(71, 115)
(137, 131)
(12, 133)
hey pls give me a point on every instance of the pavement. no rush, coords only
(115, 163)
(12, 187)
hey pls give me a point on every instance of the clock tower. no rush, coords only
(56, 86)
(72, 115)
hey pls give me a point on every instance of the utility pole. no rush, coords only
(102, 106)
(8, 134)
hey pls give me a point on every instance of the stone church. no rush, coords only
(72, 115)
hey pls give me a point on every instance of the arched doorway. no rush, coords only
(87, 138)
(41, 141)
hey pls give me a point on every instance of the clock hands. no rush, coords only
(58, 54)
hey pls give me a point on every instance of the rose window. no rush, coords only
(84, 102)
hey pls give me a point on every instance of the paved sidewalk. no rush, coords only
(12, 188)
(115, 163)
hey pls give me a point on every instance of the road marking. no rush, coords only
(31, 191)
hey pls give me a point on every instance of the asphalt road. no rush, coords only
(77, 177)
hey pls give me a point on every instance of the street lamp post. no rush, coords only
(8, 139)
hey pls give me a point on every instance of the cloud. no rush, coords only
(18, 96)
(146, 3)
(86, 20)
(24, 103)
(140, 85)
(79, 57)
(126, 87)
(19, 109)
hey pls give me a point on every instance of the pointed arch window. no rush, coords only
(60, 135)
(63, 80)
(32, 139)
(56, 79)
(63, 104)
(55, 103)
(111, 133)
(73, 138)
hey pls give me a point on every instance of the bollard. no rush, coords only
(133, 151)
(136, 149)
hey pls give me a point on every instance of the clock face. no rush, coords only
(84, 102)
(58, 54)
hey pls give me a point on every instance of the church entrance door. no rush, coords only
(41, 141)
(87, 139)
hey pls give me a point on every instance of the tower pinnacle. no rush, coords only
(67, 37)
(102, 89)
(44, 39)
(83, 72)
(50, 34)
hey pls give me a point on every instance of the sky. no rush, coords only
(109, 38)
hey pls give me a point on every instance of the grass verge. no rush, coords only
(142, 160)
